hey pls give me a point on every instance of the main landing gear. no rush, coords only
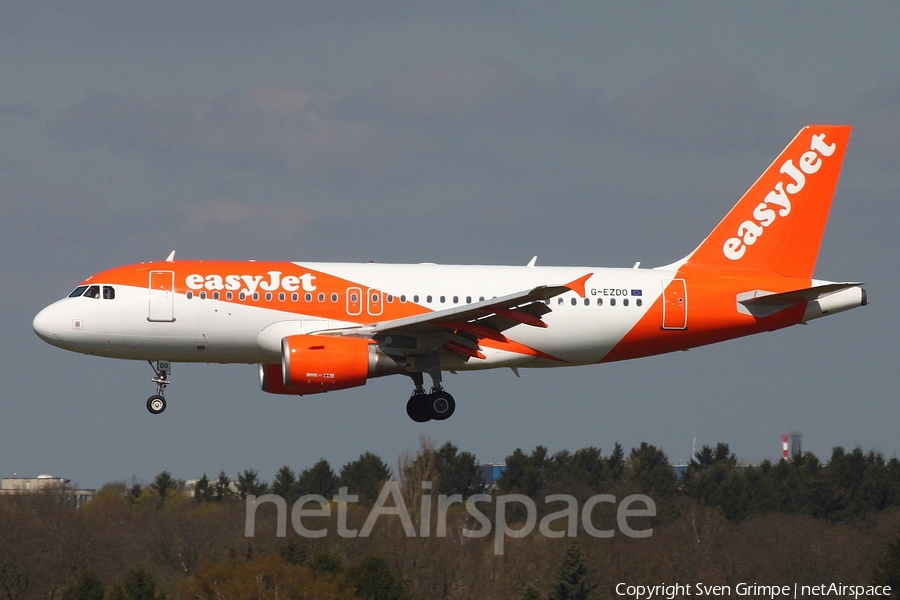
(157, 403)
(423, 407)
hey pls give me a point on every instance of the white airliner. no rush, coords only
(318, 327)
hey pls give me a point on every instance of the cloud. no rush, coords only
(264, 15)
(475, 93)
(264, 127)
(698, 106)
(225, 215)
(413, 119)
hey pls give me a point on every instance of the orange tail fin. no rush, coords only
(778, 224)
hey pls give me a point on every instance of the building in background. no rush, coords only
(43, 483)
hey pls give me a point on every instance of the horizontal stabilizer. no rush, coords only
(760, 303)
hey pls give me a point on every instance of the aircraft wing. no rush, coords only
(459, 328)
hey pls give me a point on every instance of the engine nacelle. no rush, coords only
(312, 364)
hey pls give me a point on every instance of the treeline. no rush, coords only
(849, 486)
(455, 472)
(721, 523)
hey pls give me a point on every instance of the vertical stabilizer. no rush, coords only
(778, 224)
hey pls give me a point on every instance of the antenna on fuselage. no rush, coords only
(171, 257)
(532, 261)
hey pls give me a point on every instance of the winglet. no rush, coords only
(577, 286)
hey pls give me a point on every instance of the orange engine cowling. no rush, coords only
(311, 364)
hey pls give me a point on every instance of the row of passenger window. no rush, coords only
(376, 298)
(282, 297)
(321, 297)
(107, 292)
(612, 301)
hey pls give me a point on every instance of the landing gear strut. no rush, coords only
(157, 403)
(423, 407)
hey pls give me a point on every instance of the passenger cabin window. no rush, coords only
(78, 291)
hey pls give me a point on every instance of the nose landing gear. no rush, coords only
(157, 403)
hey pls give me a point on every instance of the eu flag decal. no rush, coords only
(635, 292)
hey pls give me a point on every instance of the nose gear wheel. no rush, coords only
(157, 403)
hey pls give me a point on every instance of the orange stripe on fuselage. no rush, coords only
(712, 313)
(286, 277)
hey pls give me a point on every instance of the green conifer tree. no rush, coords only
(571, 581)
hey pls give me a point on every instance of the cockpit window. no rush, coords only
(78, 291)
(109, 292)
(93, 292)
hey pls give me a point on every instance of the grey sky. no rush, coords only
(587, 133)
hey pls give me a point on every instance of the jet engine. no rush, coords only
(312, 364)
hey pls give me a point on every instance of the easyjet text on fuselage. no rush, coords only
(250, 283)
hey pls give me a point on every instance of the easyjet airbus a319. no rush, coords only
(319, 327)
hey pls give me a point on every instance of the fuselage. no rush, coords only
(238, 312)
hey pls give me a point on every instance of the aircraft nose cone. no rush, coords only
(45, 326)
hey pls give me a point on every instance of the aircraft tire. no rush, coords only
(417, 408)
(441, 405)
(156, 404)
